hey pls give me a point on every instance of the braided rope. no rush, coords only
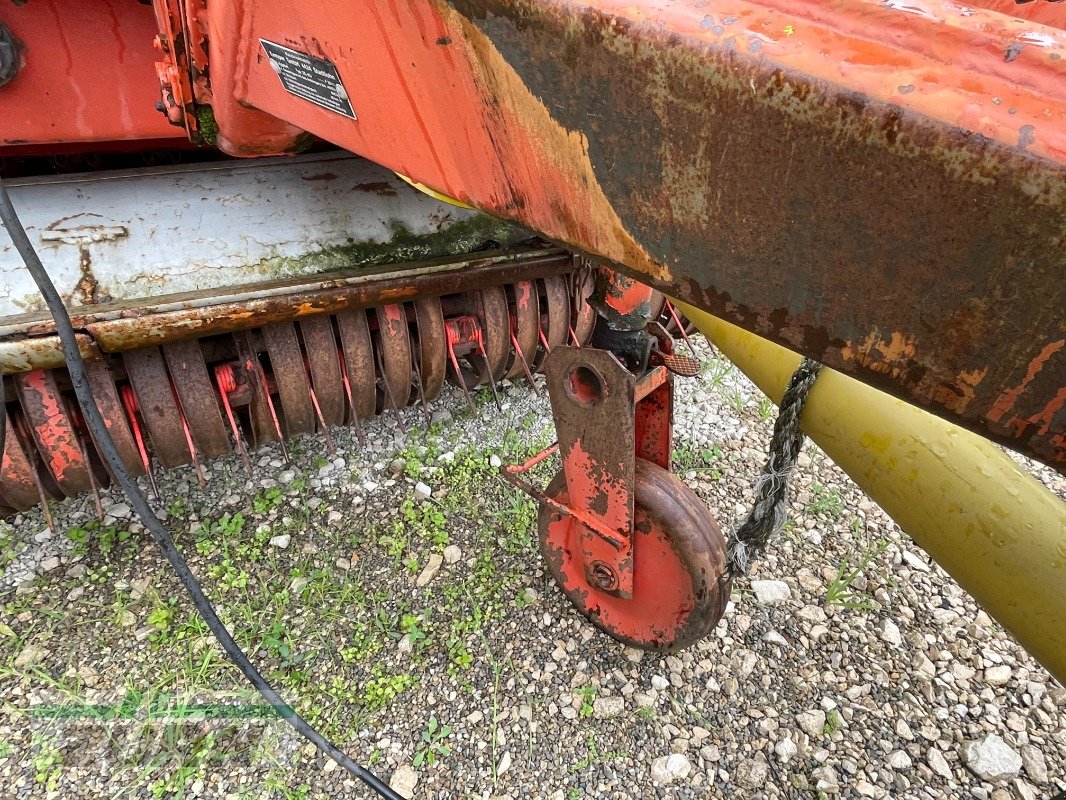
(767, 516)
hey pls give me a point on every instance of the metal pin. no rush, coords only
(351, 403)
(129, 402)
(226, 384)
(680, 327)
(525, 364)
(44, 501)
(325, 428)
(253, 366)
(462, 381)
(92, 480)
(421, 394)
(492, 380)
(192, 448)
(388, 391)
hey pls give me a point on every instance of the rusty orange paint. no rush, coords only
(87, 76)
(1006, 401)
(879, 167)
(53, 430)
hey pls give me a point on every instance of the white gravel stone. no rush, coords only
(403, 781)
(751, 773)
(659, 683)
(607, 707)
(49, 564)
(997, 675)
(899, 760)
(281, 541)
(671, 768)
(1035, 763)
(811, 614)
(812, 722)
(505, 763)
(28, 656)
(429, 572)
(936, 761)
(991, 758)
(890, 633)
(452, 554)
(495, 462)
(786, 750)
(914, 561)
(769, 593)
(422, 491)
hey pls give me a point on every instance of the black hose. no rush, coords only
(95, 422)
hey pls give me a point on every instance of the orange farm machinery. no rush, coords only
(267, 219)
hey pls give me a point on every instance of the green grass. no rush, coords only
(432, 744)
(325, 636)
(840, 591)
(593, 755)
(588, 697)
(826, 501)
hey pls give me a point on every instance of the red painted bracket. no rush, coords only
(605, 418)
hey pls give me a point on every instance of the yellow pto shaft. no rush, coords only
(998, 531)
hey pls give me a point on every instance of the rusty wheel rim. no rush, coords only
(53, 431)
(679, 557)
(358, 350)
(102, 386)
(290, 378)
(262, 424)
(16, 478)
(196, 393)
(395, 356)
(496, 329)
(157, 405)
(321, 347)
(432, 345)
(526, 324)
(583, 316)
(555, 315)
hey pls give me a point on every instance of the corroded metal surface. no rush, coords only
(53, 432)
(102, 385)
(592, 400)
(158, 406)
(320, 347)
(679, 589)
(526, 326)
(196, 394)
(881, 186)
(432, 346)
(136, 235)
(290, 377)
(394, 340)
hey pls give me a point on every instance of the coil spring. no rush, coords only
(186, 402)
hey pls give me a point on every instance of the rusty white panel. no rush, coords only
(138, 234)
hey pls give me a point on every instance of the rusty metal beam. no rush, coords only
(118, 327)
(881, 186)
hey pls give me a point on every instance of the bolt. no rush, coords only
(601, 576)
(10, 55)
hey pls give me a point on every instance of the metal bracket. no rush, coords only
(605, 419)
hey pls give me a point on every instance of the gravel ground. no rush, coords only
(395, 594)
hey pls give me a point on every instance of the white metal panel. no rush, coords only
(143, 233)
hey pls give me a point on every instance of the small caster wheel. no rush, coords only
(680, 587)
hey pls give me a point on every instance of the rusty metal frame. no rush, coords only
(602, 427)
(881, 186)
(28, 343)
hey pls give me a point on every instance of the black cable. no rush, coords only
(95, 422)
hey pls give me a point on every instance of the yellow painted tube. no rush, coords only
(997, 530)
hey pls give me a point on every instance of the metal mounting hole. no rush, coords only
(585, 386)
